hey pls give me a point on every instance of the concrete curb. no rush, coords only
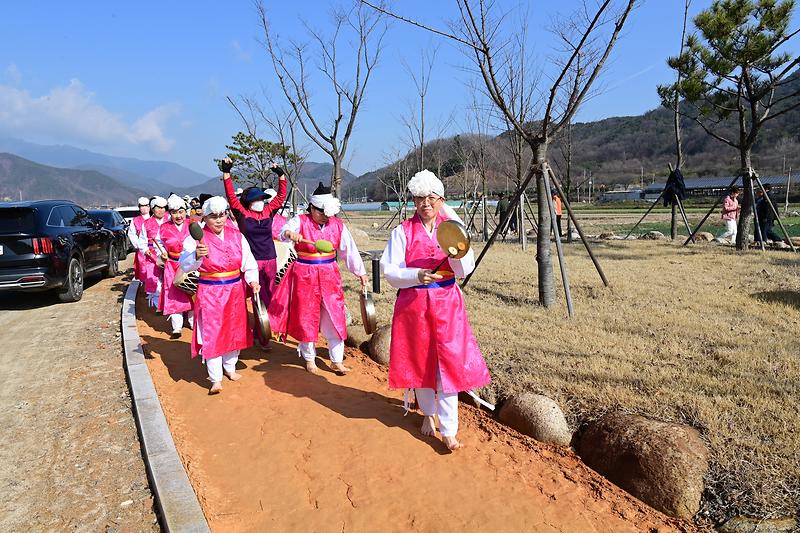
(177, 503)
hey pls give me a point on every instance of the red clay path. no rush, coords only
(285, 450)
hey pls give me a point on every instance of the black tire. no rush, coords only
(73, 286)
(112, 269)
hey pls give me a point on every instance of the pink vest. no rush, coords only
(152, 270)
(278, 222)
(220, 307)
(173, 300)
(430, 328)
(311, 281)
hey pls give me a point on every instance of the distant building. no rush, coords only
(702, 187)
(629, 195)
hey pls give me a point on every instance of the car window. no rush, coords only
(62, 216)
(17, 220)
(82, 217)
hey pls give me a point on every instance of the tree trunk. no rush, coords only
(336, 178)
(746, 204)
(547, 293)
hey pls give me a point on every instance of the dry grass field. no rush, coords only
(700, 335)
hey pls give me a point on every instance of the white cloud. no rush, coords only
(70, 113)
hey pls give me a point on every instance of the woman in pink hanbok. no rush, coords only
(310, 298)
(222, 258)
(173, 301)
(134, 229)
(433, 350)
(150, 246)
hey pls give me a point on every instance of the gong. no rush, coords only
(453, 239)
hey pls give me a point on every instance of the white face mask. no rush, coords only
(257, 206)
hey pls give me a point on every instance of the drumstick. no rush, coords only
(196, 231)
(321, 245)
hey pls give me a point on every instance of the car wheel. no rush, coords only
(73, 286)
(113, 263)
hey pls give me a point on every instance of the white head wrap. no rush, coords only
(158, 201)
(329, 204)
(425, 183)
(216, 205)
(239, 191)
(271, 193)
(175, 202)
(143, 200)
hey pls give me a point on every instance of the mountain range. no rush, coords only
(24, 179)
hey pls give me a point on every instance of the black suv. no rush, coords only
(52, 244)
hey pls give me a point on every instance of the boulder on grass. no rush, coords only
(653, 236)
(380, 344)
(361, 237)
(741, 524)
(537, 416)
(607, 236)
(662, 464)
(704, 236)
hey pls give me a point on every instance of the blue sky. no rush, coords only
(148, 79)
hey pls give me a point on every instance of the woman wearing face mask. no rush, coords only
(255, 223)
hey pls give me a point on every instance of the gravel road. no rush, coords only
(70, 458)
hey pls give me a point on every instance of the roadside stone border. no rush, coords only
(177, 503)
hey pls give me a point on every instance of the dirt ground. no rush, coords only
(70, 458)
(284, 450)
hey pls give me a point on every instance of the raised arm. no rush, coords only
(277, 202)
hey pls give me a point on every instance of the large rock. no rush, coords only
(653, 236)
(537, 416)
(661, 464)
(361, 238)
(380, 344)
(607, 236)
(704, 236)
(357, 338)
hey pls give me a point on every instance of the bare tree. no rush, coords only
(395, 179)
(586, 39)
(673, 226)
(422, 80)
(282, 124)
(293, 63)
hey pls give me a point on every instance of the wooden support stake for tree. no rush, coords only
(757, 231)
(577, 225)
(645, 215)
(679, 204)
(496, 232)
(713, 207)
(386, 224)
(562, 265)
(775, 212)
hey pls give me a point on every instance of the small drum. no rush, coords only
(285, 256)
(186, 281)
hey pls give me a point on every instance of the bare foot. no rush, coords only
(233, 376)
(216, 387)
(311, 366)
(452, 443)
(428, 426)
(339, 367)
